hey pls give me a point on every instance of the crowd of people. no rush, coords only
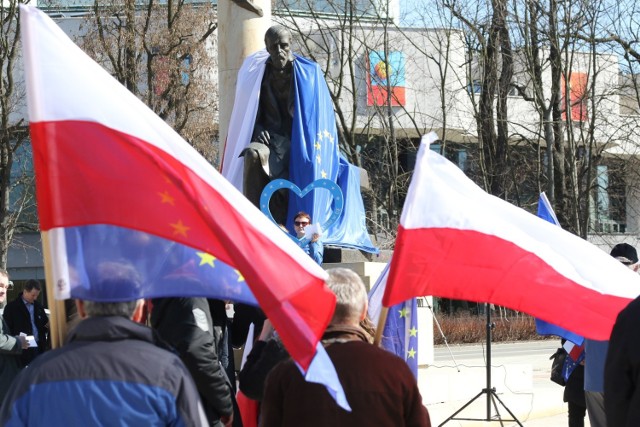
(114, 368)
(170, 361)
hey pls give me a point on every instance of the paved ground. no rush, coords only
(519, 374)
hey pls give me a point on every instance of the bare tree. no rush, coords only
(17, 202)
(165, 54)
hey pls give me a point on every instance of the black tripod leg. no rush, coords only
(495, 395)
(473, 399)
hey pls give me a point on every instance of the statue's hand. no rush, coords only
(264, 138)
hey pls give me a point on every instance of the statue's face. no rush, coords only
(279, 49)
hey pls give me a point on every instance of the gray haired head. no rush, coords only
(351, 296)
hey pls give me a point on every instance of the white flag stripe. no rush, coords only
(455, 202)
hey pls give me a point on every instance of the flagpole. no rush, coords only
(57, 311)
(381, 321)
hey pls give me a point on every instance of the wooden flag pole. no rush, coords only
(57, 311)
(381, 321)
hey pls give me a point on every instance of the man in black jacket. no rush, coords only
(622, 366)
(26, 315)
(187, 325)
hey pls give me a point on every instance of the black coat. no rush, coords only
(18, 319)
(622, 370)
(574, 389)
(186, 324)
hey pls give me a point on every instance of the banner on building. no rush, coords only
(386, 73)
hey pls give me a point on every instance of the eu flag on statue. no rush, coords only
(400, 333)
(545, 211)
(314, 151)
(115, 183)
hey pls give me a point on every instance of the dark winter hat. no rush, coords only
(625, 253)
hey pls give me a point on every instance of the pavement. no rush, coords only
(519, 375)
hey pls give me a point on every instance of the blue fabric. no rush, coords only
(154, 258)
(314, 155)
(400, 333)
(596, 356)
(570, 365)
(545, 211)
(350, 230)
(41, 405)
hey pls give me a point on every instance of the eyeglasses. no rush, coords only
(301, 223)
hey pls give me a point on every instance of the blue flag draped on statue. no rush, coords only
(545, 211)
(314, 151)
(400, 333)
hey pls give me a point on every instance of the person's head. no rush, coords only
(277, 40)
(351, 296)
(300, 221)
(31, 290)
(109, 277)
(626, 254)
(4, 285)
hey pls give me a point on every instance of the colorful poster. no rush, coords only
(384, 74)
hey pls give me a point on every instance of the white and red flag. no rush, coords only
(457, 241)
(111, 174)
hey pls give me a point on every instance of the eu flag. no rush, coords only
(545, 211)
(314, 155)
(400, 333)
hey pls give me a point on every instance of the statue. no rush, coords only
(282, 143)
(267, 156)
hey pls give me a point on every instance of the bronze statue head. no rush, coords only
(277, 40)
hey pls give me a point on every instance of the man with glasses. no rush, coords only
(10, 347)
(312, 247)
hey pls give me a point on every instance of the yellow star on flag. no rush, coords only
(323, 174)
(206, 258)
(240, 276)
(317, 145)
(413, 332)
(319, 159)
(166, 198)
(180, 228)
(411, 353)
(403, 312)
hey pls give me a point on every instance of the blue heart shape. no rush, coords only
(326, 184)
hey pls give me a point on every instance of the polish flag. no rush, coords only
(456, 241)
(573, 350)
(102, 157)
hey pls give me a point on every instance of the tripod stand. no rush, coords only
(492, 396)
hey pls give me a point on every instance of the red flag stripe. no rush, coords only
(469, 265)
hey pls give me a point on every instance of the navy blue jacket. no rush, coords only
(110, 372)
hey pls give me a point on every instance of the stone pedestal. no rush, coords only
(240, 33)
